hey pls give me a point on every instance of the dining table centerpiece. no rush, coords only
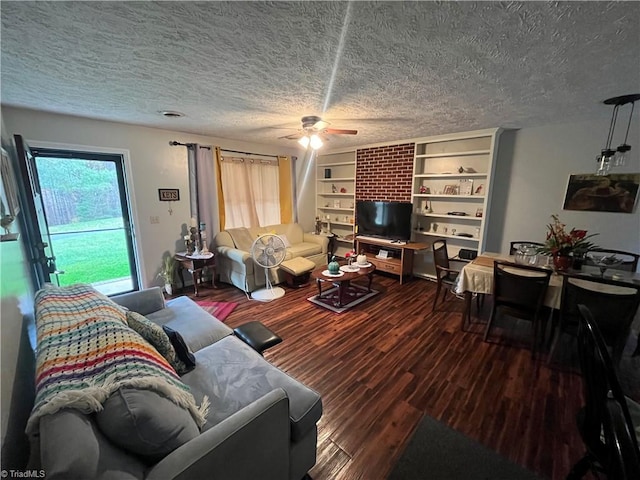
(564, 247)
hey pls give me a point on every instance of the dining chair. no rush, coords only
(629, 259)
(515, 245)
(605, 421)
(612, 303)
(518, 291)
(445, 275)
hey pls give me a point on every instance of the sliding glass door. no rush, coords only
(86, 219)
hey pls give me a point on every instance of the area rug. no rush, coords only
(439, 452)
(355, 295)
(220, 310)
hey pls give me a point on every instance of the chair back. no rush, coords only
(629, 259)
(440, 256)
(600, 383)
(520, 286)
(515, 245)
(624, 461)
(612, 303)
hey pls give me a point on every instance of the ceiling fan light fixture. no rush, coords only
(304, 141)
(315, 141)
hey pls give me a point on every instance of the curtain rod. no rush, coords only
(188, 145)
(248, 153)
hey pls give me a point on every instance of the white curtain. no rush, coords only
(251, 192)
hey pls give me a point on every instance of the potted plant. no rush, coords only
(168, 269)
(562, 246)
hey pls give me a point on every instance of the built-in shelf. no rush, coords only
(454, 217)
(450, 175)
(454, 154)
(336, 208)
(343, 171)
(458, 197)
(444, 235)
(437, 166)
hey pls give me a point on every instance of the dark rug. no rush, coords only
(355, 295)
(220, 310)
(438, 452)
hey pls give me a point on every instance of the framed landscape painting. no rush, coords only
(610, 193)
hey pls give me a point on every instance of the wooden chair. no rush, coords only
(514, 246)
(445, 275)
(613, 304)
(629, 259)
(605, 422)
(518, 291)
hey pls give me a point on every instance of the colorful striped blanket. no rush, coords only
(86, 351)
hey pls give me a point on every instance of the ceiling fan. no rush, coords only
(313, 128)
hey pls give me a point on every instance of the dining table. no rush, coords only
(476, 277)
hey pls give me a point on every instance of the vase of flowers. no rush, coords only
(563, 246)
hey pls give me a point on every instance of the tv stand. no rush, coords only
(401, 260)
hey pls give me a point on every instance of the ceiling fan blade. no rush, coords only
(292, 136)
(340, 131)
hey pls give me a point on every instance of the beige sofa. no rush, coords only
(234, 264)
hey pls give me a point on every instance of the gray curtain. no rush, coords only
(202, 189)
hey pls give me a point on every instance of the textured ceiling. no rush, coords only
(250, 70)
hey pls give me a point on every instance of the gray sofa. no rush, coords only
(234, 264)
(261, 423)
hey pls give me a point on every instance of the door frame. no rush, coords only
(129, 187)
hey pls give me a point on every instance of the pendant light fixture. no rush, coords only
(609, 157)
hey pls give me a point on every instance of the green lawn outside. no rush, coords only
(90, 257)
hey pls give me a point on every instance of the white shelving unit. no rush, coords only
(336, 196)
(452, 174)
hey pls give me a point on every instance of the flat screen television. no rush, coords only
(388, 220)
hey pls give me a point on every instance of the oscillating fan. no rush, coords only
(268, 251)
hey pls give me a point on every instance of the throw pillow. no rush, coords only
(145, 423)
(285, 240)
(155, 335)
(183, 353)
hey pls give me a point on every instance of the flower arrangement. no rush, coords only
(559, 242)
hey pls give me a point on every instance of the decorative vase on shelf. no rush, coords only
(561, 263)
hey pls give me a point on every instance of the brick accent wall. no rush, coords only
(385, 173)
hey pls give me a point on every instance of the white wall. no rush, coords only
(532, 171)
(154, 164)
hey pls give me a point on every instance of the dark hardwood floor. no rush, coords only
(383, 365)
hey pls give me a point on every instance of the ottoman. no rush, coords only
(297, 271)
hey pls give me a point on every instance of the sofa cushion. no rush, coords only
(197, 327)
(292, 231)
(145, 422)
(233, 375)
(243, 237)
(184, 358)
(72, 447)
(304, 250)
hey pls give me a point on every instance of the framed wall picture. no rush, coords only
(611, 193)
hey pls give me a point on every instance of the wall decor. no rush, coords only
(168, 194)
(597, 193)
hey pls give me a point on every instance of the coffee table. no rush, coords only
(343, 282)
